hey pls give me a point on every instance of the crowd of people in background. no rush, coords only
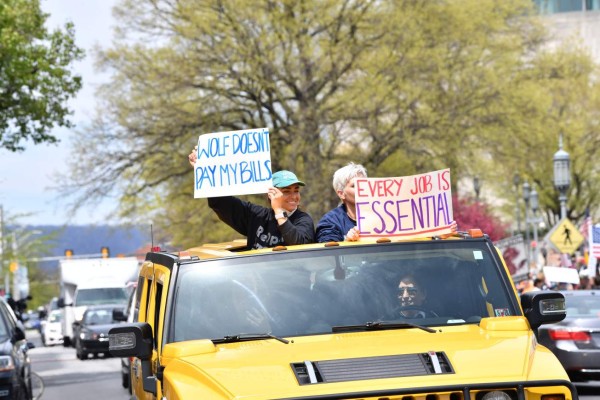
(589, 278)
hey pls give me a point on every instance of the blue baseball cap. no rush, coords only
(285, 178)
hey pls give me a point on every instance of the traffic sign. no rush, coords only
(566, 237)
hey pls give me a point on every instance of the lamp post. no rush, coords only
(535, 205)
(476, 187)
(516, 181)
(526, 195)
(562, 176)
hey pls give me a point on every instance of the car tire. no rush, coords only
(82, 355)
(125, 381)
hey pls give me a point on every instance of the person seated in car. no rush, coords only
(411, 299)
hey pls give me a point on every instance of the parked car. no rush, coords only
(91, 333)
(15, 365)
(52, 331)
(129, 314)
(576, 339)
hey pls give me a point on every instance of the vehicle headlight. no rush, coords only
(87, 335)
(495, 395)
(6, 363)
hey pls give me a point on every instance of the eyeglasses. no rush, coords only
(412, 291)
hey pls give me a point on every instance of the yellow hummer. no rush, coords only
(430, 319)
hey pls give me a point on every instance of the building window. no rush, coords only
(561, 6)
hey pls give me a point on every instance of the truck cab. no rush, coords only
(92, 281)
(340, 321)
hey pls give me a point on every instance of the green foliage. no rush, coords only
(35, 77)
(42, 287)
(22, 245)
(402, 87)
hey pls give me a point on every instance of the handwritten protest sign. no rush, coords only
(233, 163)
(409, 207)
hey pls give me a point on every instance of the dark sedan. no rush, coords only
(15, 365)
(576, 339)
(91, 334)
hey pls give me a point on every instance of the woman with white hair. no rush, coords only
(339, 224)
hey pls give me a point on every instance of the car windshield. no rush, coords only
(87, 297)
(317, 291)
(583, 305)
(4, 331)
(98, 316)
(54, 317)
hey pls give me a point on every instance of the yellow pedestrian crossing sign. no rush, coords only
(566, 237)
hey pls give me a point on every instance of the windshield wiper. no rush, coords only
(241, 337)
(380, 325)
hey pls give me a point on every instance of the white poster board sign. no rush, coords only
(561, 274)
(408, 207)
(233, 163)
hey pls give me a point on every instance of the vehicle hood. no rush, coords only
(496, 350)
(102, 328)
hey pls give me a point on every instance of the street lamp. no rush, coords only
(562, 176)
(476, 187)
(535, 205)
(526, 195)
(516, 181)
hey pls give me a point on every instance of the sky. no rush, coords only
(26, 177)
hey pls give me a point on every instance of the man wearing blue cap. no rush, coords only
(281, 224)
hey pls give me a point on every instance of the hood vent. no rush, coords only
(354, 369)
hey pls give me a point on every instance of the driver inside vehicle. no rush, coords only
(411, 298)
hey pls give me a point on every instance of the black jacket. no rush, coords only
(259, 225)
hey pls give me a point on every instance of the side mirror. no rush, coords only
(60, 302)
(18, 334)
(131, 340)
(118, 314)
(135, 340)
(543, 307)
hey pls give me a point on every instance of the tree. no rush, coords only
(559, 96)
(402, 87)
(20, 244)
(35, 77)
(470, 214)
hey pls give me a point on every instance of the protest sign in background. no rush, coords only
(515, 255)
(233, 163)
(409, 207)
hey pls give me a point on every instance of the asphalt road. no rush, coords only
(66, 377)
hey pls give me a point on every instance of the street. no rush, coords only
(64, 376)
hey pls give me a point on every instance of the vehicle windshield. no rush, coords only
(54, 317)
(98, 316)
(432, 283)
(88, 297)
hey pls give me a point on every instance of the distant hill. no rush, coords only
(89, 239)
